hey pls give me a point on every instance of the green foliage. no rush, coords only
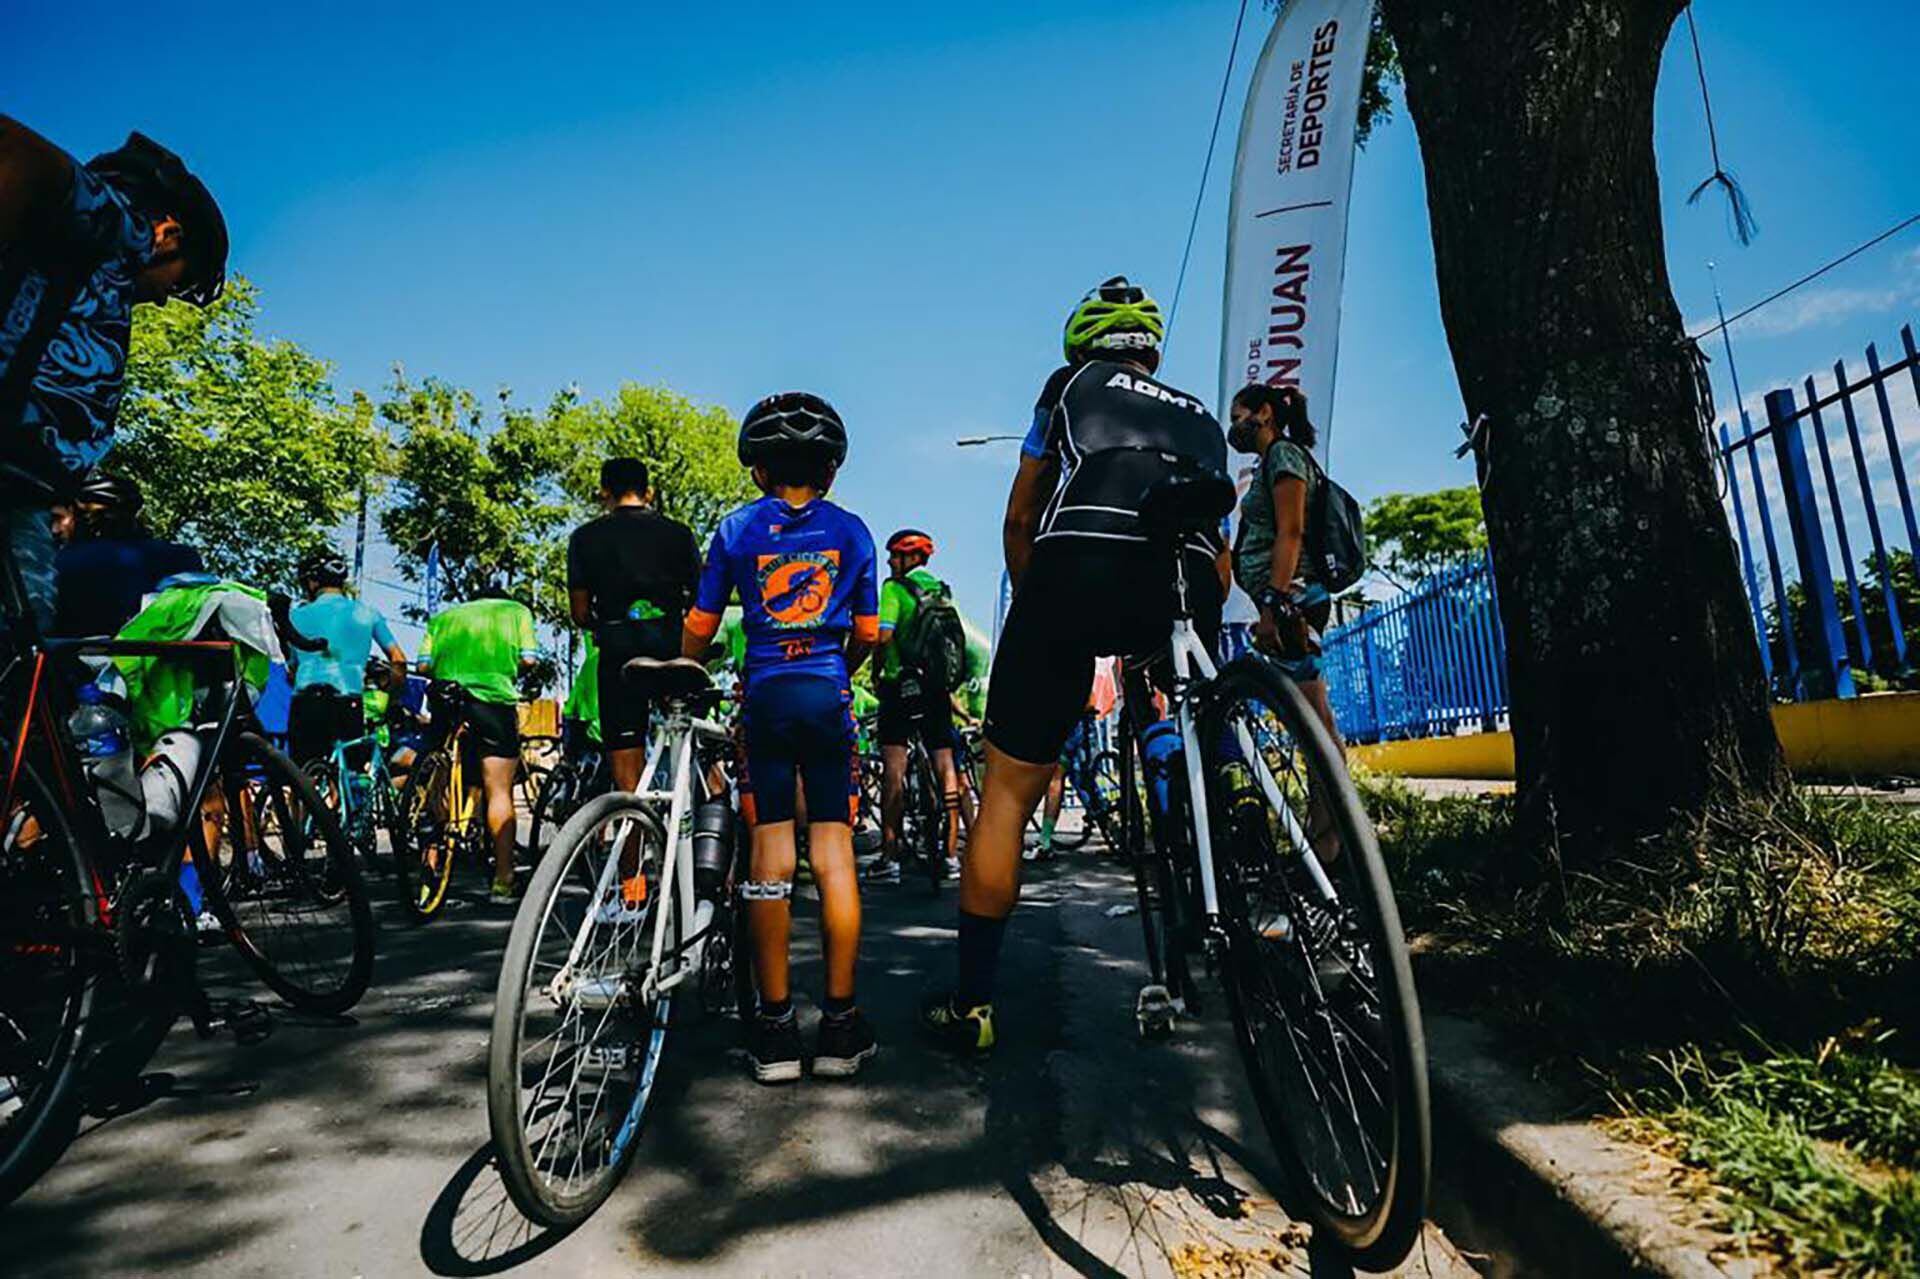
(500, 500)
(1411, 535)
(1378, 81)
(1882, 669)
(238, 443)
(1793, 1142)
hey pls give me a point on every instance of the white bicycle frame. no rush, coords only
(674, 744)
(1191, 656)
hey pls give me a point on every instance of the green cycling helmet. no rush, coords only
(1117, 316)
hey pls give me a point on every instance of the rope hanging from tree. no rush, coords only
(1744, 227)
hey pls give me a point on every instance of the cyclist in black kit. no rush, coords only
(1087, 582)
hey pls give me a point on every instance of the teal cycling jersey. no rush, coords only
(351, 630)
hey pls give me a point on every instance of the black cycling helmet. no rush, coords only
(115, 492)
(155, 181)
(792, 420)
(324, 567)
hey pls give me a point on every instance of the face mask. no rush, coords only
(1241, 435)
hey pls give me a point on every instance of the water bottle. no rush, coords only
(101, 732)
(168, 776)
(1160, 751)
(712, 847)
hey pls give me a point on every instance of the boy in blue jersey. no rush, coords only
(803, 569)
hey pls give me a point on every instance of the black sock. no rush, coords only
(979, 959)
(776, 1009)
(834, 1006)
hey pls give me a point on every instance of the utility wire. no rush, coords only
(1213, 139)
(1808, 278)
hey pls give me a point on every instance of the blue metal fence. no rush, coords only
(1433, 661)
(1817, 631)
(1427, 664)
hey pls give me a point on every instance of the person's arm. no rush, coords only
(868, 607)
(1289, 530)
(36, 178)
(579, 598)
(1031, 484)
(529, 642)
(709, 602)
(395, 655)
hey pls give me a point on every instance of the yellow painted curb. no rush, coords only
(1873, 736)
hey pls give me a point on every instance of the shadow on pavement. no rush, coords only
(473, 1227)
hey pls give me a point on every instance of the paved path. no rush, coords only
(358, 1148)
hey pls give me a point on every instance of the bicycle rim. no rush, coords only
(425, 865)
(574, 1055)
(1321, 993)
(48, 983)
(291, 896)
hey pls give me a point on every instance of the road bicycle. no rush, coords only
(442, 814)
(633, 905)
(1092, 785)
(581, 774)
(98, 952)
(1302, 932)
(363, 796)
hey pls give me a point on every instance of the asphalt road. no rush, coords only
(359, 1148)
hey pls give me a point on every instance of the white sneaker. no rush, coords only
(953, 868)
(884, 872)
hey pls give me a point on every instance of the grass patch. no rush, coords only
(1745, 994)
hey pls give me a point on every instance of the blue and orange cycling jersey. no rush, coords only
(805, 578)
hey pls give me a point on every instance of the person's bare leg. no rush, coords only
(625, 765)
(497, 778)
(830, 849)
(950, 792)
(990, 872)
(1050, 814)
(771, 919)
(893, 798)
(969, 802)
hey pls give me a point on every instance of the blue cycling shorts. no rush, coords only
(798, 733)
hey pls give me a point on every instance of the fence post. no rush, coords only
(1746, 556)
(1373, 678)
(1809, 542)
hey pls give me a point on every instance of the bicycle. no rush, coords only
(588, 985)
(363, 797)
(442, 816)
(1307, 944)
(581, 774)
(923, 810)
(90, 917)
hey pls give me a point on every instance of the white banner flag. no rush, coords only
(1287, 227)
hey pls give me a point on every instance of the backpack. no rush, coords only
(1336, 534)
(934, 641)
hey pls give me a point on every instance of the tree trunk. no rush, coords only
(1638, 698)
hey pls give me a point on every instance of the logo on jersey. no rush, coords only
(796, 586)
(1153, 391)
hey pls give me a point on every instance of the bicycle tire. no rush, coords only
(262, 878)
(326, 782)
(518, 990)
(420, 885)
(559, 799)
(1071, 840)
(33, 1135)
(1378, 1236)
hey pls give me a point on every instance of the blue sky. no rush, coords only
(895, 205)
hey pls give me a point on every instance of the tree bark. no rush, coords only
(1638, 699)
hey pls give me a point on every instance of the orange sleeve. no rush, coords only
(867, 629)
(702, 623)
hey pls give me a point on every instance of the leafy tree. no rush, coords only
(1412, 535)
(1882, 667)
(500, 500)
(238, 443)
(1638, 701)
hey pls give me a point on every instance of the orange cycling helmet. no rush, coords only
(910, 540)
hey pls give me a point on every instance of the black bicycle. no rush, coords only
(98, 950)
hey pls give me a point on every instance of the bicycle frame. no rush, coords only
(1193, 671)
(676, 745)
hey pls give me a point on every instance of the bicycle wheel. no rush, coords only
(1103, 811)
(1070, 838)
(559, 799)
(48, 980)
(291, 896)
(572, 1059)
(1321, 989)
(356, 820)
(423, 866)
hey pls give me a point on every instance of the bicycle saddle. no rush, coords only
(1190, 500)
(681, 677)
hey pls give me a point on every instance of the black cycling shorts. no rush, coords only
(493, 729)
(321, 717)
(798, 729)
(911, 706)
(1082, 599)
(625, 709)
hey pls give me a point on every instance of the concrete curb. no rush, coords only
(1517, 1178)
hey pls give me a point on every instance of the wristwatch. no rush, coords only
(1276, 601)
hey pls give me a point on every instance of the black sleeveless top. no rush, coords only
(1114, 431)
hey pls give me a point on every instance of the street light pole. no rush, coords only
(973, 441)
